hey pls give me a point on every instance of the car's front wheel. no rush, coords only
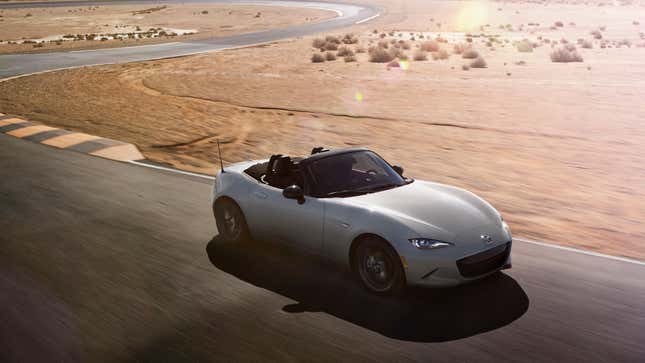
(378, 266)
(230, 221)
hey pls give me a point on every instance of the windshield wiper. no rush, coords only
(345, 193)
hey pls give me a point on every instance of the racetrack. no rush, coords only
(102, 260)
(18, 64)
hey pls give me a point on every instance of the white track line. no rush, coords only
(519, 239)
(172, 170)
(584, 252)
(368, 19)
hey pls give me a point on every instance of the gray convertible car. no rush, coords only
(353, 207)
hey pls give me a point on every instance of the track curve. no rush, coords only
(13, 65)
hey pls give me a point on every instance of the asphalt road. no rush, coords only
(101, 261)
(18, 64)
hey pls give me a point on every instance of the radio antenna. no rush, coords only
(219, 151)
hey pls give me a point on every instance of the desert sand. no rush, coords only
(557, 147)
(100, 26)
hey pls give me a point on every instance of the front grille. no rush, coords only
(484, 262)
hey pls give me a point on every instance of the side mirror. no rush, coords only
(294, 192)
(398, 169)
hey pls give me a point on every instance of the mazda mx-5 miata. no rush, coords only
(351, 206)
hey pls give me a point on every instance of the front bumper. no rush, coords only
(446, 269)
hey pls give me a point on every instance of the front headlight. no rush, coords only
(427, 243)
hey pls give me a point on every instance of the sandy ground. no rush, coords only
(558, 148)
(59, 28)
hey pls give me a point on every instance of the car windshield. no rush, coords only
(353, 174)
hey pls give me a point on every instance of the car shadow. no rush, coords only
(420, 315)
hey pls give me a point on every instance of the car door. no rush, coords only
(276, 218)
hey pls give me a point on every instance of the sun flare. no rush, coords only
(472, 15)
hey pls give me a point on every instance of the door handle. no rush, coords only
(260, 195)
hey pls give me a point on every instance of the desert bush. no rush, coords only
(465, 67)
(379, 55)
(393, 64)
(383, 44)
(625, 42)
(359, 49)
(349, 58)
(405, 45)
(344, 51)
(524, 46)
(470, 54)
(420, 55)
(460, 48)
(330, 56)
(559, 24)
(596, 34)
(317, 58)
(349, 39)
(318, 43)
(636, 22)
(330, 46)
(570, 47)
(479, 62)
(564, 55)
(332, 39)
(586, 44)
(440, 55)
(602, 28)
(429, 46)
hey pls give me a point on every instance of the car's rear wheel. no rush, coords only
(230, 221)
(378, 266)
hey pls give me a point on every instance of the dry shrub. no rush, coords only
(383, 44)
(596, 34)
(349, 39)
(317, 58)
(430, 46)
(570, 47)
(524, 46)
(586, 44)
(440, 55)
(379, 55)
(559, 24)
(344, 51)
(478, 63)
(465, 67)
(330, 46)
(636, 22)
(564, 55)
(359, 49)
(405, 45)
(460, 48)
(332, 39)
(349, 58)
(393, 64)
(318, 43)
(420, 55)
(330, 56)
(470, 54)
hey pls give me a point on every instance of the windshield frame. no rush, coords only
(311, 188)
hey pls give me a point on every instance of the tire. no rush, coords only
(378, 267)
(231, 224)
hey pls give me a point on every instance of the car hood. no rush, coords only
(433, 208)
